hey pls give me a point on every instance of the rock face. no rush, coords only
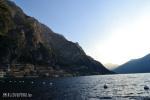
(141, 65)
(24, 40)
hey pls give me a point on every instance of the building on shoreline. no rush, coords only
(2, 73)
(30, 70)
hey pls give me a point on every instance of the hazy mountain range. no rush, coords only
(24, 40)
(111, 66)
(141, 65)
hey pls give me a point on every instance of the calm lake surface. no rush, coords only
(120, 87)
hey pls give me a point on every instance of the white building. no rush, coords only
(2, 74)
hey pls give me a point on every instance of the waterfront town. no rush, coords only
(29, 70)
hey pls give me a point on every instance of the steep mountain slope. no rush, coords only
(141, 65)
(24, 40)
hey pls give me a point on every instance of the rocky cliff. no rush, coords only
(24, 40)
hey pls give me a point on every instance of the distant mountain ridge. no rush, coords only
(111, 66)
(141, 65)
(24, 40)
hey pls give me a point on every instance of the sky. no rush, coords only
(110, 31)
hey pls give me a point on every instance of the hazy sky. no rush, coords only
(111, 31)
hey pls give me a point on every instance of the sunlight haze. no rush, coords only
(128, 40)
(110, 31)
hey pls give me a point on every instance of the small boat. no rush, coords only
(105, 86)
(44, 83)
(146, 87)
(51, 83)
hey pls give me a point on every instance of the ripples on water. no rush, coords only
(120, 87)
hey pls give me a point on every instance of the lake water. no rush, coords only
(120, 87)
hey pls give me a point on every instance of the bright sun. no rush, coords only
(128, 40)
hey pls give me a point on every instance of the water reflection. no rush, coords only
(83, 88)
